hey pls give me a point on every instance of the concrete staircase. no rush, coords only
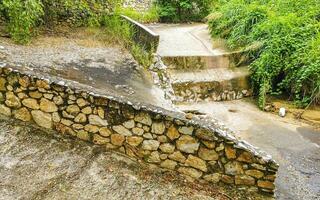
(200, 69)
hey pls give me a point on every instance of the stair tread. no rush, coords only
(208, 75)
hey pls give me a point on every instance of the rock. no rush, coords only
(81, 102)
(73, 110)
(77, 126)
(42, 119)
(148, 136)
(143, 118)
(213, 178)
(91, 128)
(3, 82)
(35, 94)
(56, 117)
(66, 122)
(158, 128)
(48, 96)
(245, 157)
(209, 144)
(169, 164)
(187, 130)
(117, 139)
(220, 147)
(12, 100)
(270, 177)
(167, 148)
(190, 172)
(83, 135)
(105, 132)
(87, 110)
(233, 168)
(255, 173)
(231, 153)
(23, 114)
(173, 133)
(197, 163)
(137, 131)
(4, 110)
(100, 112)
(266, 184)
(97, 139)
(154, 157)
(42, 84)
(151, 145)
(178, 156)
(208, 154)
(129, 124)
(96, 120)
(67, 115)
(31, 103)
(22, 95)
(24, 81)
(244, 180)
(162, 138)
(134, 140)
(48, 106)
(58, 100)
(80, 118)
(205, 134)
(122, 130)
(227, 179)
(187, 144)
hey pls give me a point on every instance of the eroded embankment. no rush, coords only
(191, 146)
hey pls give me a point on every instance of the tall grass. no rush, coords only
(287, 33)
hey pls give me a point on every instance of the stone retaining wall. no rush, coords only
(171, 140)
(140, 5)
(211, 91)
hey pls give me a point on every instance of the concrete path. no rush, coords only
(295, 146)
(185, 40)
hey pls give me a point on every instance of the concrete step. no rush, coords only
(218, 84)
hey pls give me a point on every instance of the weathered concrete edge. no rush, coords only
(144, 35)
(227, 138)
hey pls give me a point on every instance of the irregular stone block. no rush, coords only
(213, 178)
(5, 110)
(122, 130)
(48, 106)
(23, 114)
(105, 131)
(151, 145)
(167, 148)
(173, 133)
(208, 154)
(255, 173)
(178, 156)
(169, 164)
(233, 168)
(143, 118)
(158, 128)
(266, 184)
(244, 180)
(187, 144)
(12, 100)
(197, 163)
(117, 139)
(134, 140)
(190, 172)
(42, 119)
(187, 130)
(96, 120)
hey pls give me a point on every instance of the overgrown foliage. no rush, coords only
(183, 10)
(284, 38)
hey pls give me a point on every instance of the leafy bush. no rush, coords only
(183, 10)
(151, 15)
(287, 34)
(22, 15)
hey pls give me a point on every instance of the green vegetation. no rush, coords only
(22, 17)
(183, 10)
(283, 39)
(145, 17)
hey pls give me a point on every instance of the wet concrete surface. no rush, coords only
(185, 40)
(88, 63)
(294, 145)
(35, 164)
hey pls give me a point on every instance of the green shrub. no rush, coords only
(183, 10)
(23, 16)
(287, 31)
(151, 15)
